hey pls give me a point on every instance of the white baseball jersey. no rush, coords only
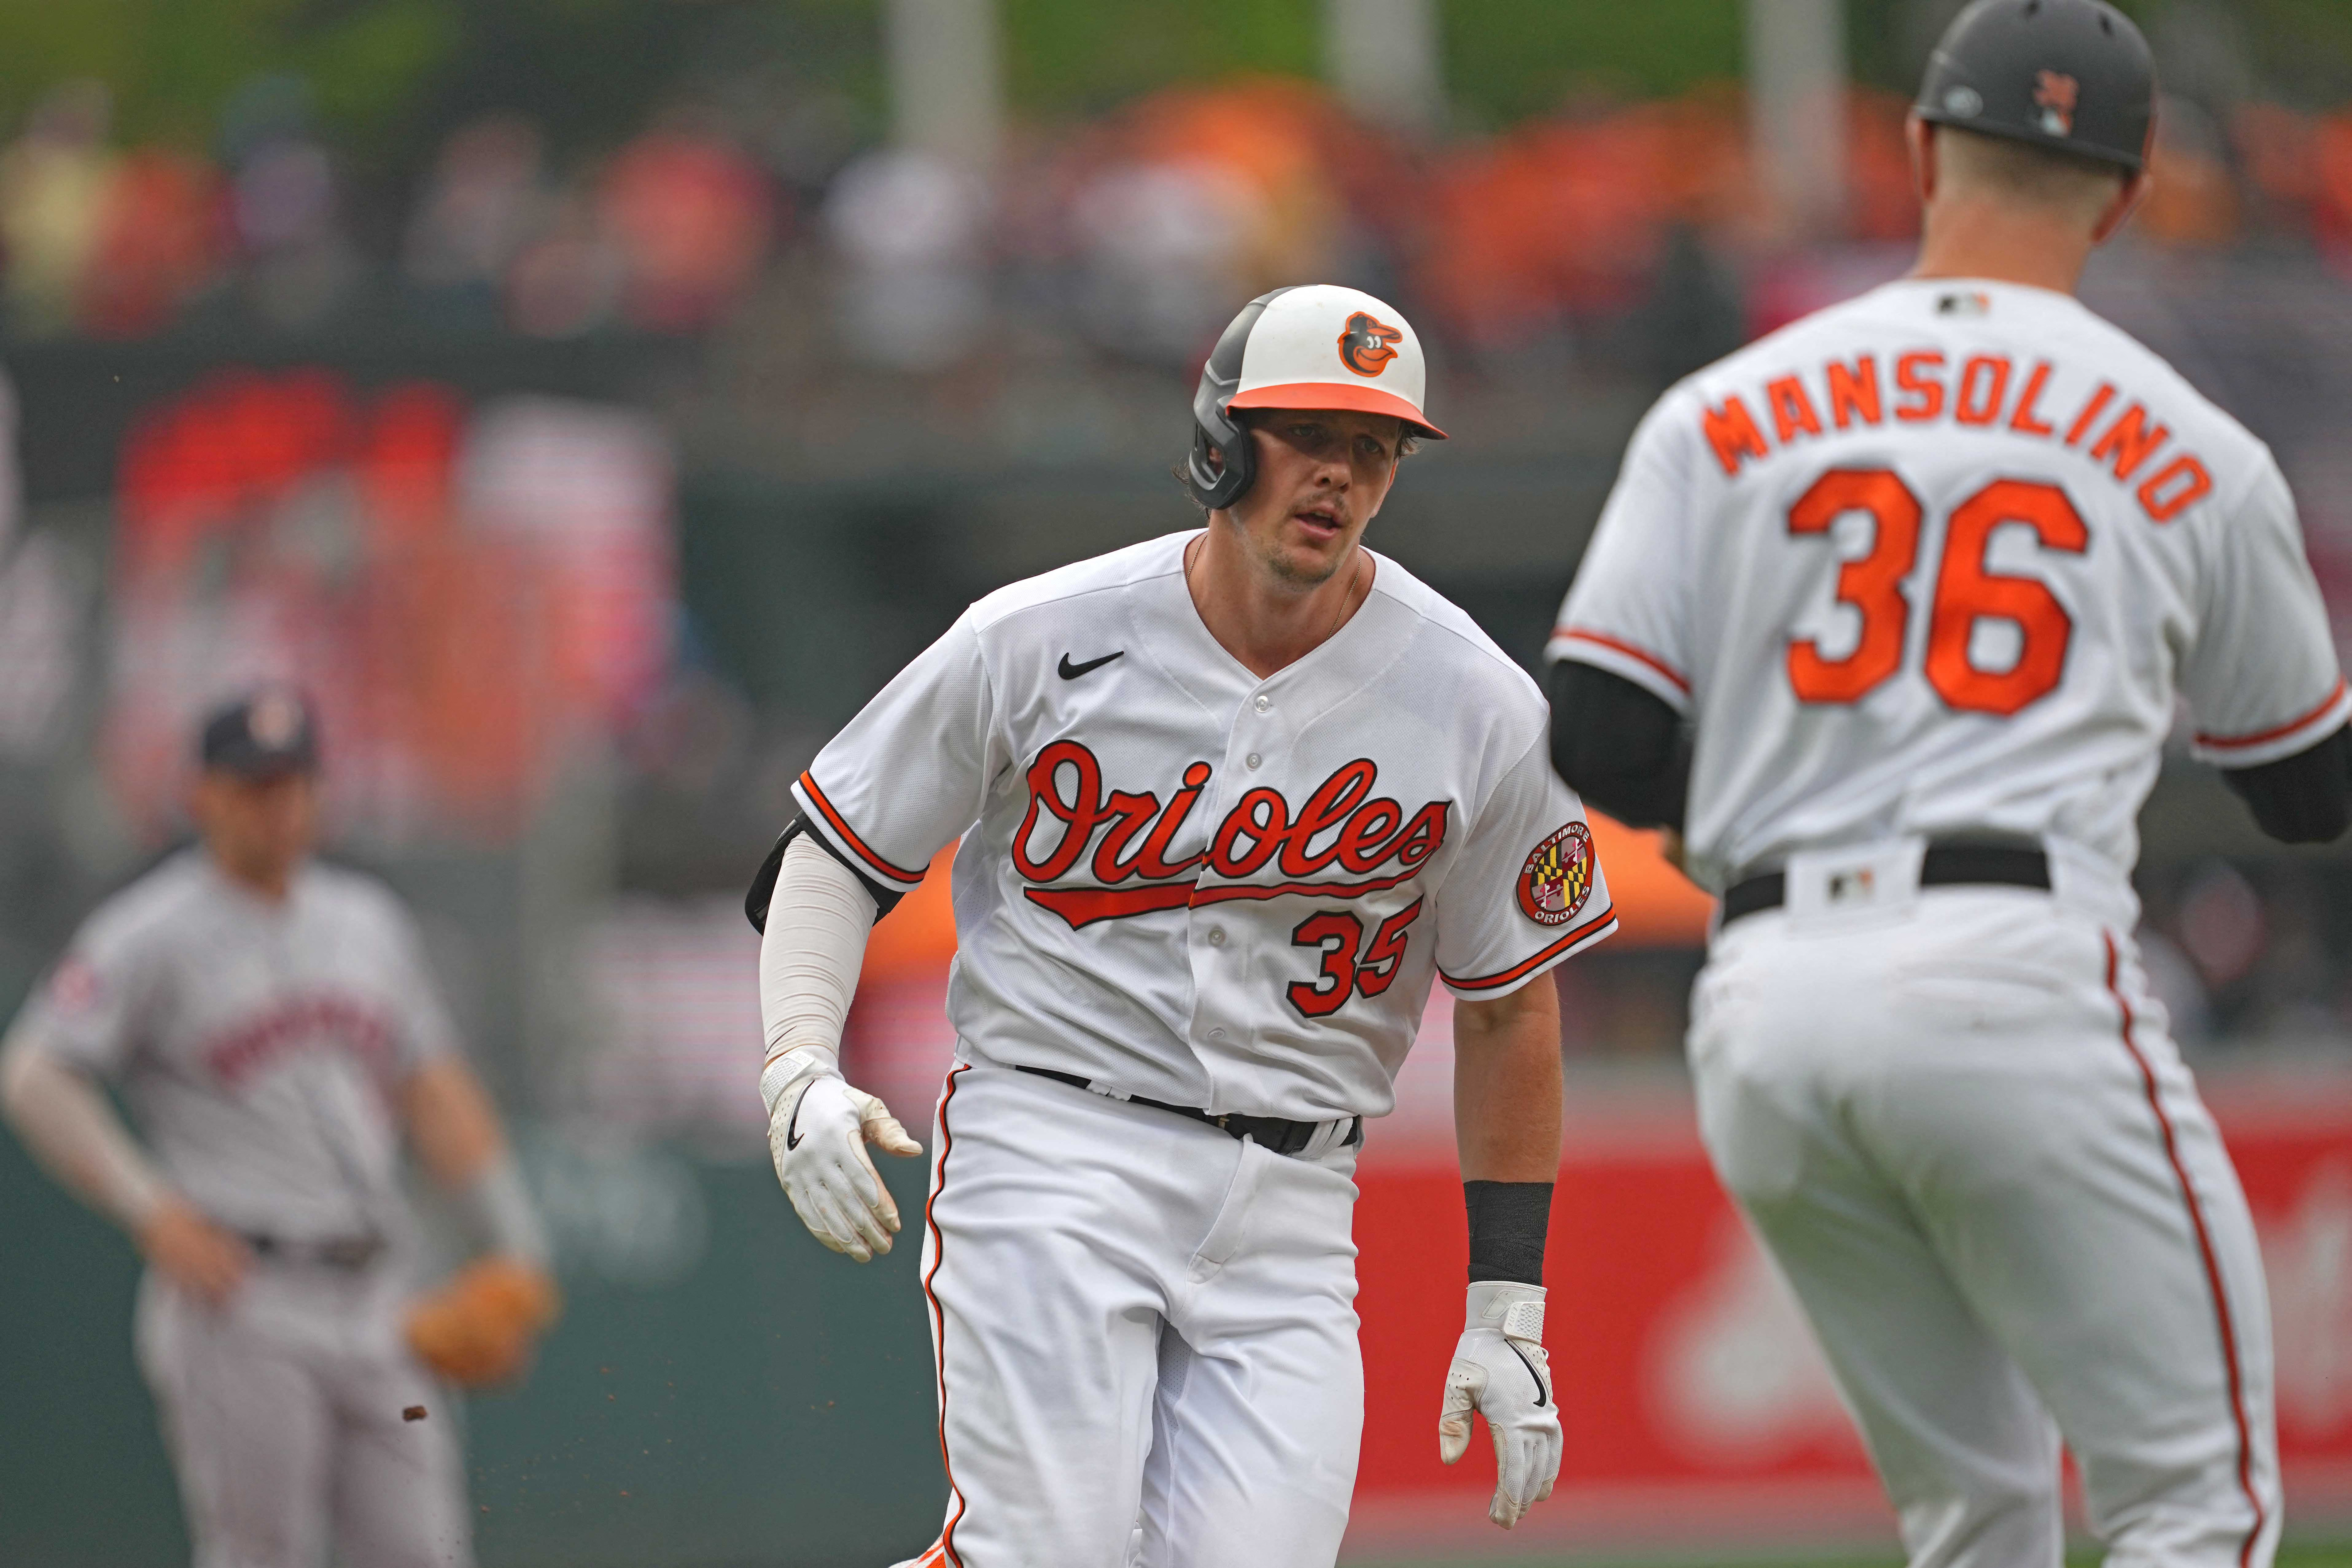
(1936, 560)
(1183, 882)
(259, 1045)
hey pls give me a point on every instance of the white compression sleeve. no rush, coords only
(817, 922)
(66, 1123)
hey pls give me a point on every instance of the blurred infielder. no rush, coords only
(275, 1028)
(1924, 574)
(1229, 800)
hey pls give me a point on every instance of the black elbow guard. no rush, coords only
(763, 891)
(2302, 799)
(1620, 747)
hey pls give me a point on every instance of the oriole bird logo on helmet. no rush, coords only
(2056, 94)
(1368, 343)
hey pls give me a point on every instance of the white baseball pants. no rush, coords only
(1145, 1333)
(1961, 1127)
(285, 1417)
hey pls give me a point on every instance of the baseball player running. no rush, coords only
(273, 1025)
(1230, 800)
(1921, 578)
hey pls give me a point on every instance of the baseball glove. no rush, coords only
(479, 1328)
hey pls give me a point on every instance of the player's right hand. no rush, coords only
(818, 1127)
(191, 1252)
(1500, 1370)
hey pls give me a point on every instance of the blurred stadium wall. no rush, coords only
(595, 403)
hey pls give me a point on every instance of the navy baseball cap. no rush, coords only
(261, 734)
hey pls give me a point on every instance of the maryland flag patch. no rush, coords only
(1557, 878)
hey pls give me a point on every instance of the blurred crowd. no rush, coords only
(663, 236)
(1133, 232)
(467, 594)
(490, 594)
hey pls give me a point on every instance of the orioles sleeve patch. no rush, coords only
(1557, 878)
(74, 987)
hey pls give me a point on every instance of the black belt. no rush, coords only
(1944, 866)
(348, 1252)
(1277, 1134)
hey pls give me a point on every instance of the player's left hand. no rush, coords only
(1500, 1370)
(479, 1328)
(818, 1127)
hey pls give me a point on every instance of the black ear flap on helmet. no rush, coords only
(1220, 484)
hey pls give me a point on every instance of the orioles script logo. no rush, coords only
(1341, 827)
(1368, 343)
(2055, 94)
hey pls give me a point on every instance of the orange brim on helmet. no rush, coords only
(1336, 395)
(1318, 345)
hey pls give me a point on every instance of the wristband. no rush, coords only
(497, 1207)
(1508, 1221)
(786, 1068)
(1514, 1310)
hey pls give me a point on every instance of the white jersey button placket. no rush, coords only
(1218, 968)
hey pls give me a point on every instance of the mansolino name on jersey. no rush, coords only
(2125, 441)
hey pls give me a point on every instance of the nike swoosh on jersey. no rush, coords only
(1072, 671)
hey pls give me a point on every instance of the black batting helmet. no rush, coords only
(2074, 75)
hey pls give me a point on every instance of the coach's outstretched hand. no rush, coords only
(818, 1128)
(1501, 1371)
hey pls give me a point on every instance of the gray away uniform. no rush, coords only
(261, 1047)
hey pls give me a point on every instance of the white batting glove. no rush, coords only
(1501, 1371)
(818, 1128)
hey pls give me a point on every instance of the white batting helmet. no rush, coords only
(1320, 346)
